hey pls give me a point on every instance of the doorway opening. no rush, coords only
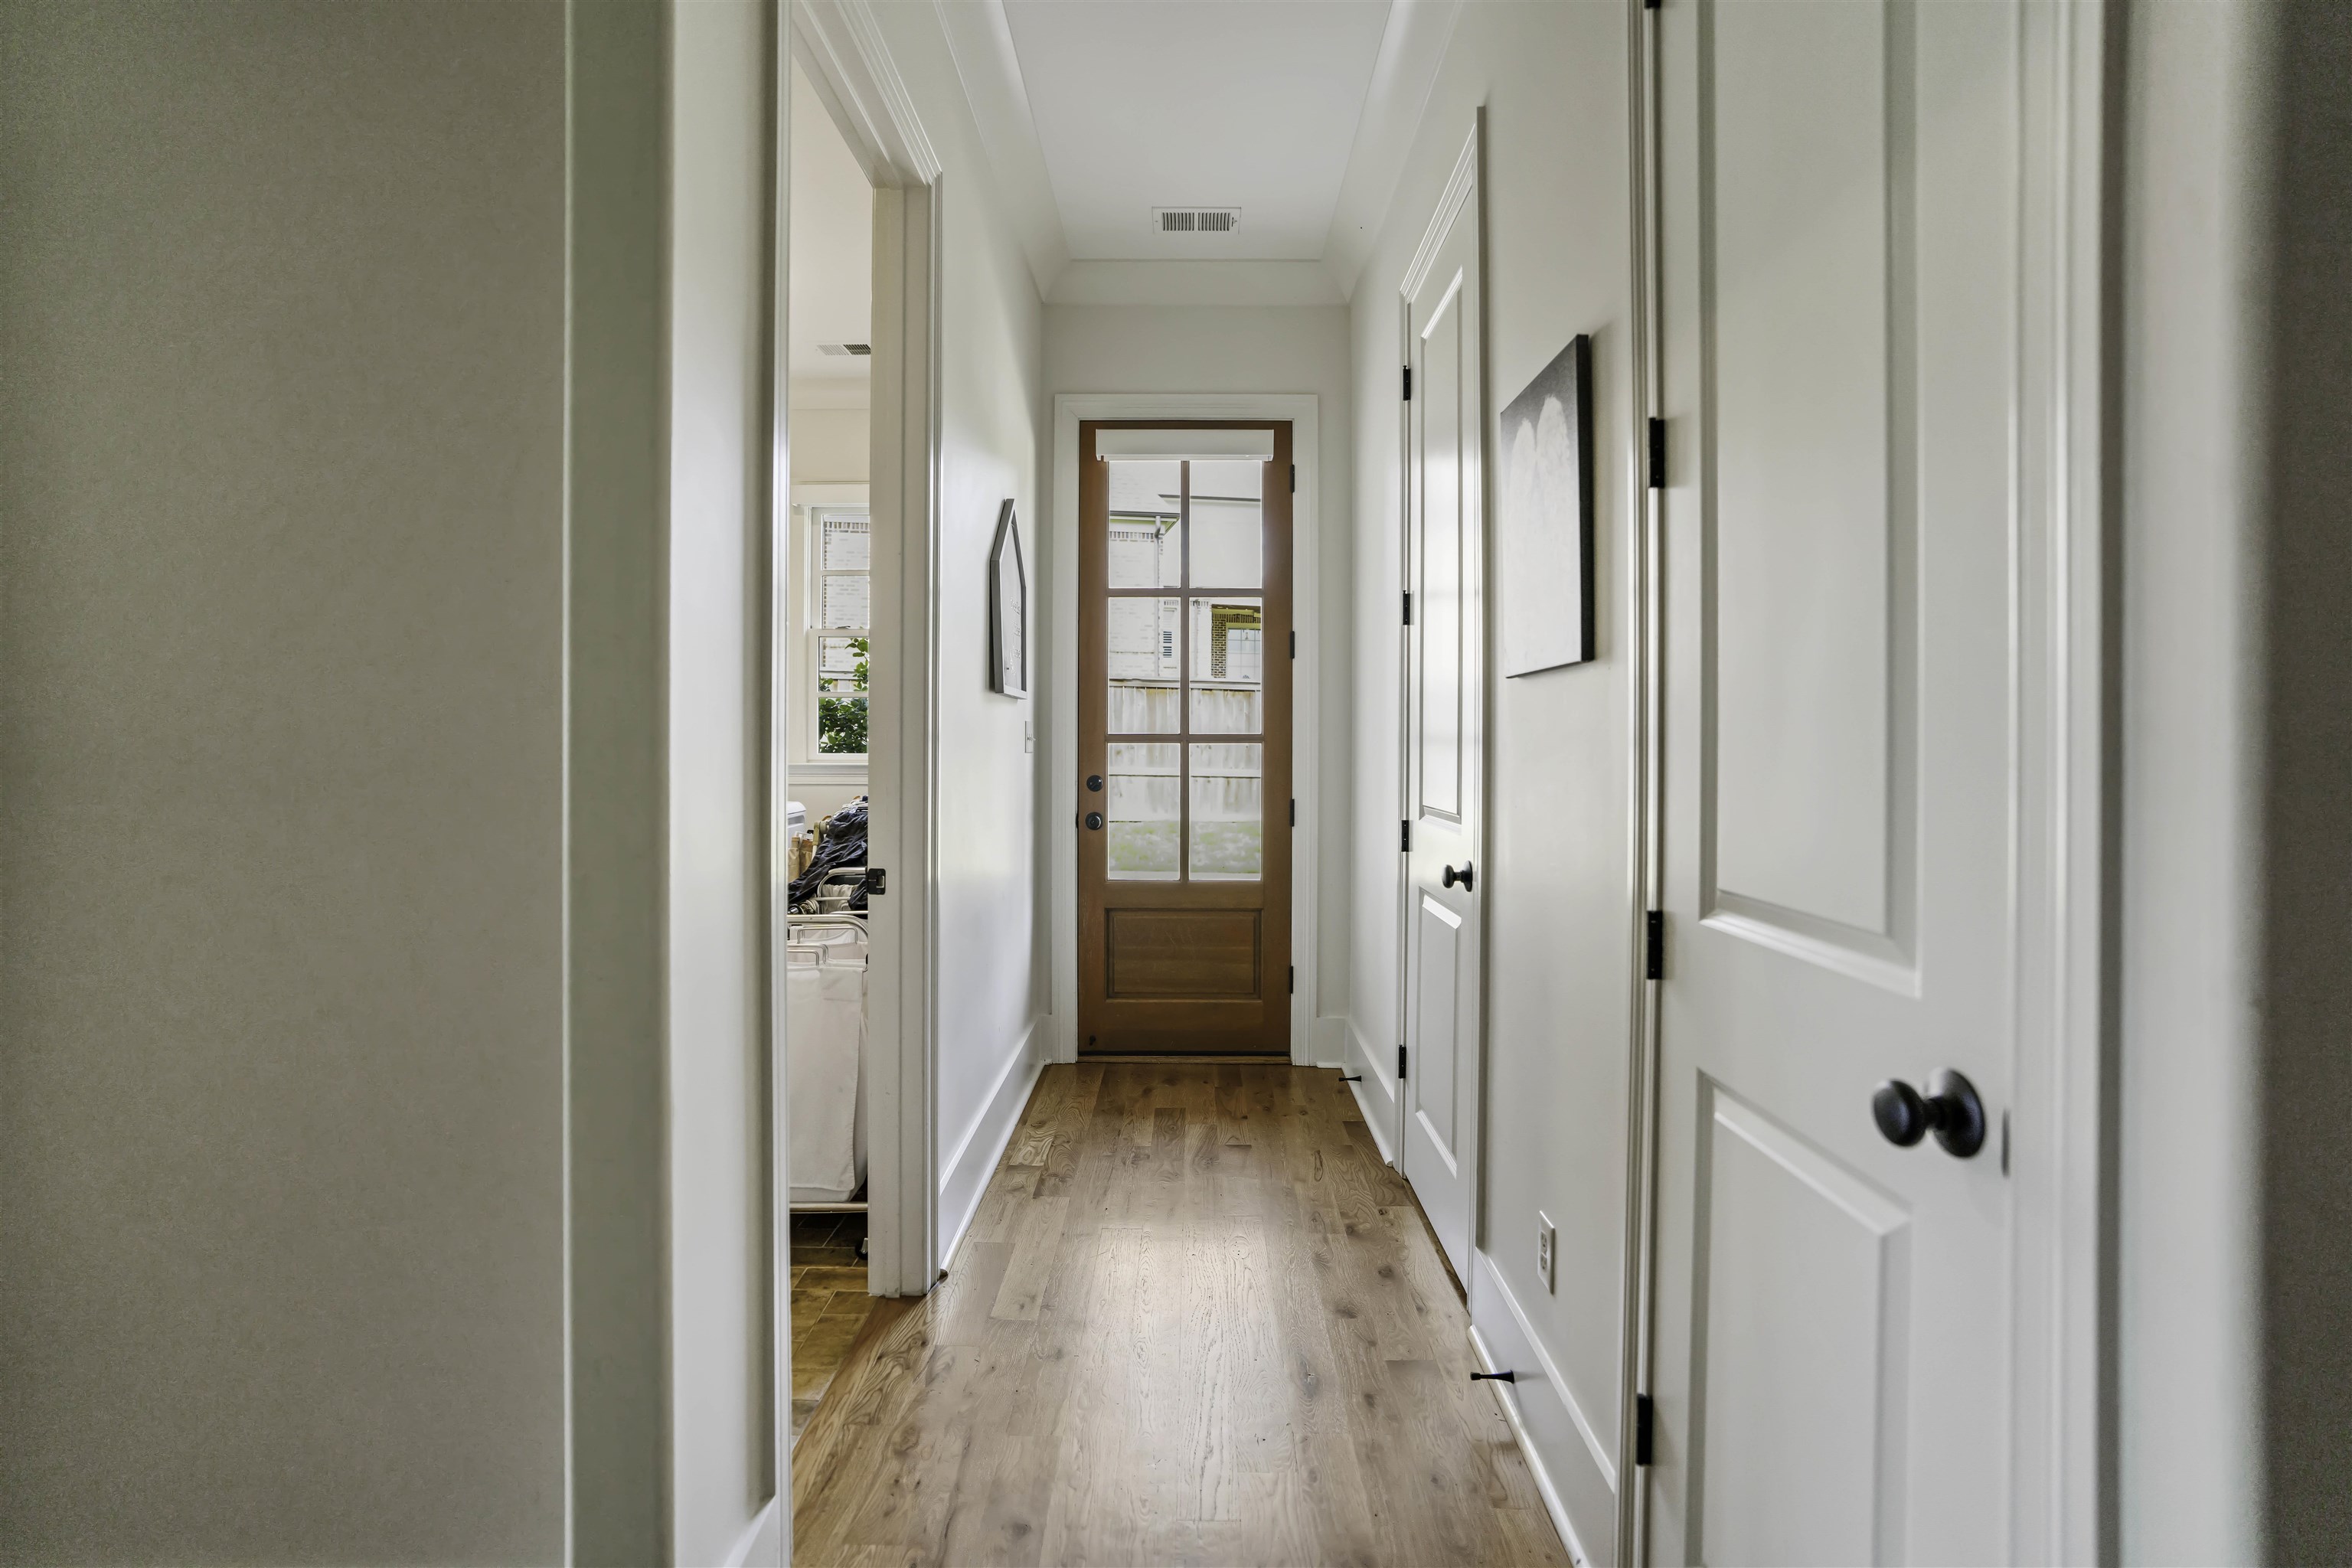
(830, 655)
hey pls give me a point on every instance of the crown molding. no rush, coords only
(980, 42)
(1403, 74)
(839, 44)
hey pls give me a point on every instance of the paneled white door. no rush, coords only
(1444, 729)
(1839, 248)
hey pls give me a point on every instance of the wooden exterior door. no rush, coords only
(1184, 803)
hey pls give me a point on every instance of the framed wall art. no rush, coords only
(1008, 608)
(1544, 517)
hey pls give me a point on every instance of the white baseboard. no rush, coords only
(963, 1176)
(1573, 1469)
(762, 1543)
(1375, 1091)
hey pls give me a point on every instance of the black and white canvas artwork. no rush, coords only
(1008, 609)
(1544, 513)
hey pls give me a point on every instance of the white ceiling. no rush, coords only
(832, 264)
(1247, 103)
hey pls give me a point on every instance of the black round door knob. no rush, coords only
(1950, 1109)
(1094, 820)
(1094, 783)
(1463, 876)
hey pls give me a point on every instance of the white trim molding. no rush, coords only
(839, 44)
(1060, 643)
(1561, 1448)
(963, 1175)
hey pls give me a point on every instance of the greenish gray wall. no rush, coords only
(616, 1091)
(281, 760)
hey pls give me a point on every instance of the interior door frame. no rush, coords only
(2060, 1149)
(839, 46)
(1314, 1040)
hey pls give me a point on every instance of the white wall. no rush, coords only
(282, 344)
(720, 1412)
(831, 446)
(1559, 856)
(988, 916)
(1262, 349)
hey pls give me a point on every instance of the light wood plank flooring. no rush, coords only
(1197, 1320)
(829, 1304)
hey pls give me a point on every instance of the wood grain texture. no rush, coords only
(1194, 1323)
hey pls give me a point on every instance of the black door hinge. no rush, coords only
(1293, 645)
(1408, 609)
(1294, 980)
(1653, 945)
(1400, 1064)
(1404, 836)
(875, 880)
(1293, 479)
(1294, 814)
(1657, 454)
(1642, 1422)
(1408, 384)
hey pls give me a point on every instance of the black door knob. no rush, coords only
(1950, 1109)
(1463, 876)
(1094, 820)
(1094, 782)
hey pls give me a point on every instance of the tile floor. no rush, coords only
(829, 1303)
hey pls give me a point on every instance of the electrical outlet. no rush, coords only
(1545, 1235)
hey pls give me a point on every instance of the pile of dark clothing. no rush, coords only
(843, 845)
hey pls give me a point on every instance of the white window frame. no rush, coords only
(808, 527)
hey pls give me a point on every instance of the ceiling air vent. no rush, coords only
(840, 349)
(1196, 220)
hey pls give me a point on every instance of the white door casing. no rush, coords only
(1839, 243)
(1444, 710)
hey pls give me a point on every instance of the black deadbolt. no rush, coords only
(1453, 875)
(1950, 1109)
(1093, 819)
(1094, 782)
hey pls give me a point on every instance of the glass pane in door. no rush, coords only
(1228, 812)
(1147, 534)
(1140, 807)
(1228, 525)
(1143, 667)
(1228, 666)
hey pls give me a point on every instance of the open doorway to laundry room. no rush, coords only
(827, 617)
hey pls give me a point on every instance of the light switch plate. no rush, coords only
(1546, 1236)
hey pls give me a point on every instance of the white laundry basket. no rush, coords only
(824, 997)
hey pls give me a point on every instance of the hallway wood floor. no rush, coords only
(1196, 1320)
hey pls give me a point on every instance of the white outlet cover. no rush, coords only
(1546, 1250)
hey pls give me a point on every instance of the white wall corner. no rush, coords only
(1403, 74)
(1574, 1471)
(963, 1175)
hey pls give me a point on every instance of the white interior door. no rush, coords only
(1444, 729)
(1839, 247)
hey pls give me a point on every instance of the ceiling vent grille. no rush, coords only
(839, 351)
(1196, 220)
